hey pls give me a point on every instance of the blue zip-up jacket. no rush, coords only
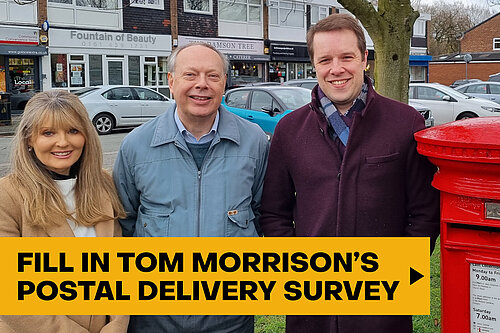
(165, 195)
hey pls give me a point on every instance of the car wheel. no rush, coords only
(104, 123)
(466, 115)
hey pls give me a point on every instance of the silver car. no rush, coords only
(486, 90)
(121, 106)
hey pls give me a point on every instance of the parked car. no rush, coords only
(464, 81)
(121, 106)
(487, 90)
(424, 111)
(252, 84)
(19, 99)
(304, 83)
(448, 104)
(265, 105)
(495, 77)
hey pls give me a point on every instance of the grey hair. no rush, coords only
(173, 56)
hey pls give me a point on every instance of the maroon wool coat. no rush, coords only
(381, 188)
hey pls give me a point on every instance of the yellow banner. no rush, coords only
(179, 276)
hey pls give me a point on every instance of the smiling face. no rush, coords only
(339, 66)
(57, 148)
(197, 84)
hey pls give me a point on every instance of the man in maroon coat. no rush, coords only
(346, 164)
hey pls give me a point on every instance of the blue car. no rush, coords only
(265, 105)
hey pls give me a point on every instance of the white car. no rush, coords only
(121, 106)
(447, 104)
(486, 90)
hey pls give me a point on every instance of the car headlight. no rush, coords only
(491, 108)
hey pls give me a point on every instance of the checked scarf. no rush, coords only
(333, 115)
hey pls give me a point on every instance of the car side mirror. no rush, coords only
(447, 98)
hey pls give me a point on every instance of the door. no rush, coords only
(115, 72)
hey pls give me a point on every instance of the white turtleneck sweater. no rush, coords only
(67, 188)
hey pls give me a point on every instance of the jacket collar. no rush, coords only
(166, 130)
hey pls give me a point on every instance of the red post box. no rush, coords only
(467, 154)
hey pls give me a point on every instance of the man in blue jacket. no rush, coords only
(346, 164)
(195, 171)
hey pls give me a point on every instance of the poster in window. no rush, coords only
(76, 80)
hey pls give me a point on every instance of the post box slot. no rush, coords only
(476, 236)
(474, 227)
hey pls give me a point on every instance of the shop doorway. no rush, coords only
(22, 81)
(116, 74)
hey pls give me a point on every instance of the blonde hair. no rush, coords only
(43, 203)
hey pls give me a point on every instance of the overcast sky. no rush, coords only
(495, 9)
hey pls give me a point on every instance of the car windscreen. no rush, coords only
(293, 98)
(84, 91)
(453, 93)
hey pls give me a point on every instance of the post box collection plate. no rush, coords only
(484, 298)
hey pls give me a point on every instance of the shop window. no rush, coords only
(134, 70)
(198, 6)
(246, 72)
(240, 10)
(22, 74)
(95, 70)
(59, 69)
(277, 71)
(150, 4)
(286, 14)
(418, 73)
(77, 75)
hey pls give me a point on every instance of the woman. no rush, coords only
(57, 188)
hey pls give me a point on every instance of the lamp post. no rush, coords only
(467, 59)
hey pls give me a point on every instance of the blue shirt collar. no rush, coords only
(190, 138)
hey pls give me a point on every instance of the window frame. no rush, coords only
(280, 7)
(209, 12)
(247, 11)
(496, 44)
(159, 6)
(315, 20)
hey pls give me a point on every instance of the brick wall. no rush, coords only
(144, 20)
(448, 73)
(200, 25)
(42, 11)
(480, 39)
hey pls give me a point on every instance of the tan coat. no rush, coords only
(14, 223)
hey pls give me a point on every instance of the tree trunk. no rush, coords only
(390, 28)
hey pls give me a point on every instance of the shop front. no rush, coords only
(80, 58)
(247, 58)
(20, 64)
(289, 61)
(419, 68)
